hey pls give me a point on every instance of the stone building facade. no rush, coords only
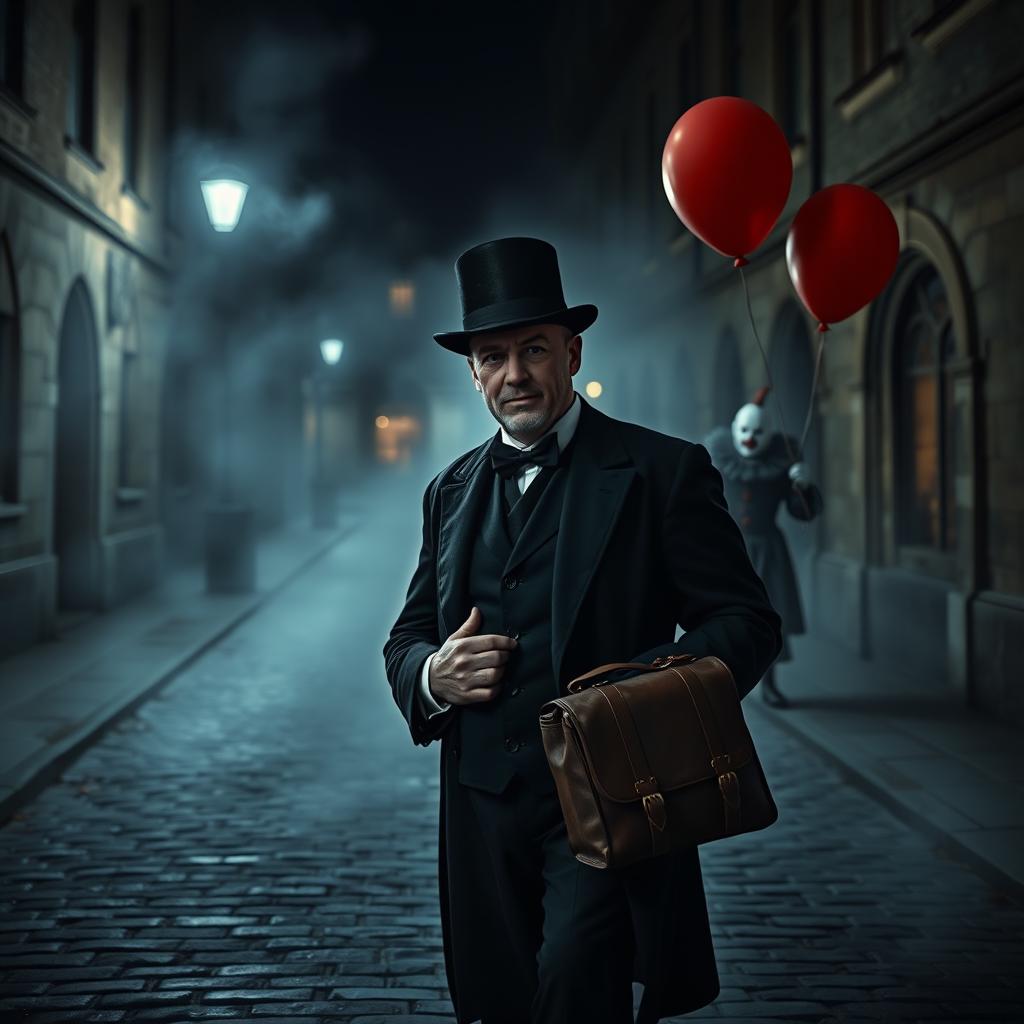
(918, 562)
(84, 296)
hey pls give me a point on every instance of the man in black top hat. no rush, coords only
(567, 540)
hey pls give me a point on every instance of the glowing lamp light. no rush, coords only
(403, 296)
(382, 422)
(224, 198)
(330, 350)
(594, 389)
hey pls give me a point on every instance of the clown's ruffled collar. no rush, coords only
(772, 463)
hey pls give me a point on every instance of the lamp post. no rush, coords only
(230, 541)
(325, 509)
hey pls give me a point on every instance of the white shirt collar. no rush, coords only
(564, 427)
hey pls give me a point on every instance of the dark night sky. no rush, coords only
(437, 105)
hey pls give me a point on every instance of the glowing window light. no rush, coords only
(402, 295)
(224, 198)
(594, 389)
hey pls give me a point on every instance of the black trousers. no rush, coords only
(569, 922)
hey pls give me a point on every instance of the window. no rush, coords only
(791, 71)
(732, 34)
(133, 98)
(924, 414)
(81, 105)
(870, 34)
(12, 45)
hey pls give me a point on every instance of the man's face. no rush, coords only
(535, 363)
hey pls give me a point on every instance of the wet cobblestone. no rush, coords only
(258, 842)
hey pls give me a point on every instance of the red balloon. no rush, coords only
(727, 171)
(841, 250)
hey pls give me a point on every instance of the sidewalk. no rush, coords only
(956, 773)
(57, 697)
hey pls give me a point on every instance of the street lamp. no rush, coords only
(230, 543)
(325, 510)
(224, 198)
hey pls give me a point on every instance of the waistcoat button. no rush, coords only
(511, 745)
(515, 691)
(511, 581)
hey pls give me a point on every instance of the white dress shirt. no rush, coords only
(564, 427)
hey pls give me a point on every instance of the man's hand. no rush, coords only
(468, 668)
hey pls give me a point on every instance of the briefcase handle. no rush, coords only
(573, 686)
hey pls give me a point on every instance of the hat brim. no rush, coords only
(576, 318)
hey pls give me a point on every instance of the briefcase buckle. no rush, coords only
(654, 805)
(672, 659)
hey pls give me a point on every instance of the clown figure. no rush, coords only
(758, 474)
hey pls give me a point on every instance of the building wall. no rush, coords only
(932, 121)
(85, 257)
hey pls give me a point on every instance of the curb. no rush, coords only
(946, 843)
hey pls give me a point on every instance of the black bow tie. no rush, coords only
(507, 461)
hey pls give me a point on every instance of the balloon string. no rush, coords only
(775, 397)
(814, 388)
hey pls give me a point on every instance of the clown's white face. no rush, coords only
(748, 430)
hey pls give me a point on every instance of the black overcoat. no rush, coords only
(645, 542)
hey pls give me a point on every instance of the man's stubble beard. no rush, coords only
(526, 422)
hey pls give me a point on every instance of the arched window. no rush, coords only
(923, 414)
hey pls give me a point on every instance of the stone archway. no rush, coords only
(934, 643)
(76, 459)
(683, 413)
(728, 390)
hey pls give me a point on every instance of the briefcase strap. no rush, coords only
(645, 783)
(728, 784)
(658, 663)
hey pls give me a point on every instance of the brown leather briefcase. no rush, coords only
(653, 762)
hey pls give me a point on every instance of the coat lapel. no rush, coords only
(598, 478)
(462, 501)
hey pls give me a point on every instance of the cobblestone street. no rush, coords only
(259, 842)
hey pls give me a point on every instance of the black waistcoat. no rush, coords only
(510, 581)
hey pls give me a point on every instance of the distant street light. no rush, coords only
(230, 541)
(330, 350)
(325, 508)
(224, 198)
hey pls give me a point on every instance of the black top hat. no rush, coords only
(507, 283)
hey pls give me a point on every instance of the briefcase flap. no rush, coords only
(667, 721)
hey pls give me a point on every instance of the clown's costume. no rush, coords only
(758, 475)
